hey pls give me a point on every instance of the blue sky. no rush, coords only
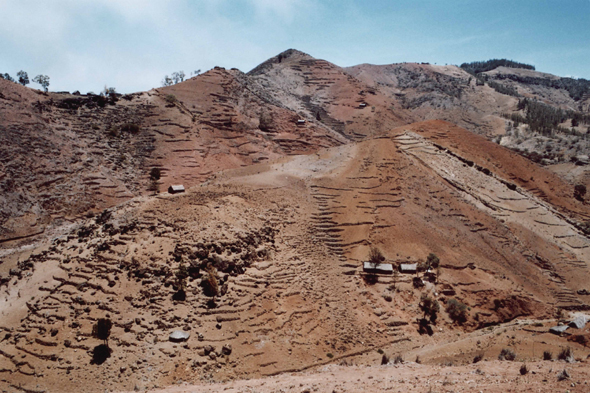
(131, 44)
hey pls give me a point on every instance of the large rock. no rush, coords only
(178, 336)
(226, 349)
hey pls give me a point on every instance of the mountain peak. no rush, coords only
(288, 54)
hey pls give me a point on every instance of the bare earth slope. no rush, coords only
(286, 239)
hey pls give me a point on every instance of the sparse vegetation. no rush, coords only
(579, 192)
(167, 81)
(155, 174)
(23, 77)
(545, 119)
(457, 311)
(503, 89)
(131, 127)
(547, 355)
(176, 77)
(432, 261)
(43, 80)
(576, 88)
(478, 358)
(429, 307)
(563, 375)
(384, 359)
(375, 256)
(7, 76)
(507, 354)
(524, 369)
(102, 329)
(398, 359)
(567, 355)
(171, 99)
(210, 282)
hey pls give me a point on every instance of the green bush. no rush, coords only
(171, 99)
(457, 311)
(429, 307)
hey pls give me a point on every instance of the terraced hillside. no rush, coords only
(262, 267)
(63, 155)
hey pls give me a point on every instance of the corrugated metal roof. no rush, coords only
(579, 322)
(558, 329)
(176, 188)
(384, 268)
(408, 267)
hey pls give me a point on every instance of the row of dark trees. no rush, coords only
(545, 119)
(477, 67)
(23, 79)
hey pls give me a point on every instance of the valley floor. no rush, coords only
(489, 376)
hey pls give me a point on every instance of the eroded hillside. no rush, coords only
(64, 155)
(285, 240)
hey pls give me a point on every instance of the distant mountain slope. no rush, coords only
(327, 94)
(63, 156)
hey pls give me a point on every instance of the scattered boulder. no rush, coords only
(226, 349)
(178, 336)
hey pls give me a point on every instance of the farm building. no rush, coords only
(301, 122)
(579, 322)
(175, 189)
(377, 268)
(408, 268)
(558, 329)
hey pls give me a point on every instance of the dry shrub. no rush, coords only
(547, 355)
(130, 127)
(563, 375)
(566, 354)
(507, 354)
(210, 282)
(376, 256)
